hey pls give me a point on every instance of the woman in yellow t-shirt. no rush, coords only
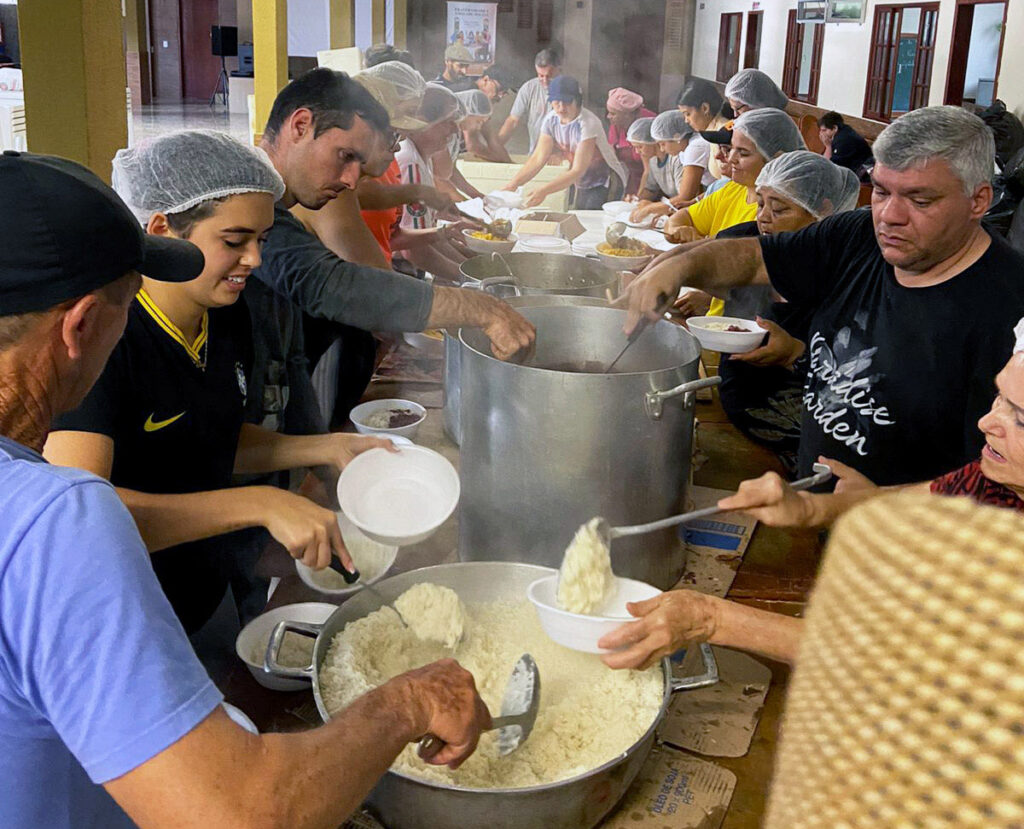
(756, 137)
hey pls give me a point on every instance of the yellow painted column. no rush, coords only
(270, 55)
(401, 22)
(343, 23)
(73, 61)
(378, 20)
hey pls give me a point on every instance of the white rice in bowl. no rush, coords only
(589, 714)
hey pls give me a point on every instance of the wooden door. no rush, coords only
(200, 68)
(960, 48)
(729, 46)
(752, 51)
(165, 35)
(891, 50)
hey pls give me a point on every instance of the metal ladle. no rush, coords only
(609, 533)
(519, 709)
(615, 236)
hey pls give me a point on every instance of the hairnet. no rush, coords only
(771, 130)
(474, 102)
(812, 182)
(621, 99)
(180, 170)
(670, 126)
(753, 88)
(439, 104)
(640, 131)
(399, 89)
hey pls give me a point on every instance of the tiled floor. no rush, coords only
(157, 119)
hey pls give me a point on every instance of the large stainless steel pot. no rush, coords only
(453, 346)
(403, 802)
(542, 273)
(544, 451)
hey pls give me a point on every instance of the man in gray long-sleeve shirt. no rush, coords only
(322, 128)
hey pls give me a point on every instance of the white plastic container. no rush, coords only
(543, 244)
(374, 563)
(578, 631)
(360, 413)
(399, 498)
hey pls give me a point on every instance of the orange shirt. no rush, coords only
(381, 222)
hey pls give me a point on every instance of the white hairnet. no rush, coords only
(812, 182)
(755, 89)
(670, 126)
(180, 170)
(399, 89)
(640, 131)
(771, 130)
(474, 102)
(439, 104)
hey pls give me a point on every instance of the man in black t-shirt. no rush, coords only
(911, 307)
(843, 145)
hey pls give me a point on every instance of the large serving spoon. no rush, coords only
(615, 235)
(609, 533)
(519, 709)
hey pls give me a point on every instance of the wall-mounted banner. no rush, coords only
(473, 25)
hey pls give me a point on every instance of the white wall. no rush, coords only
(981, 60)
(846, 51)
(309, 27)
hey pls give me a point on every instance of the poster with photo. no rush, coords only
(473, 25)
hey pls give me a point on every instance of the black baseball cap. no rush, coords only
(502, 76)
(722, 136)
(64, 233)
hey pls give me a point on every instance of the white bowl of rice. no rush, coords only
(296, 650)
(372, 560)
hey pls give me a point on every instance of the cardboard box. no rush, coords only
(565, 225)
(675, 791)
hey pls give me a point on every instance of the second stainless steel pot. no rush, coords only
(404, 802)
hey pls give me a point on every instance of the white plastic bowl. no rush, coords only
(398, 498)
(354, 539)
(255, 635)
(486, 246)
(578, 631)
(359, 414)
(727, 342)
(617, 208)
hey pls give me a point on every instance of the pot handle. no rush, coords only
(709, 677)
(654, 400)
(270, 663)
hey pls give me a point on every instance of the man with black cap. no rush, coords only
(107, 719)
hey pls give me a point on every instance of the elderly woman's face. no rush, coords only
(1002, 458)
(645, 151)
(622, 119)
(777, 214)
(745, 159)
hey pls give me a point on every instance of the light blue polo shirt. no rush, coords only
(96, 674)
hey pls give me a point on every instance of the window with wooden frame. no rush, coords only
(729, 46)
(902, 55)
(802, 67)
(752, 49)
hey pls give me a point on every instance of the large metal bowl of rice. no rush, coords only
(594, 731)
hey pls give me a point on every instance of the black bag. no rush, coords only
(1007, 129)
(1008, 193)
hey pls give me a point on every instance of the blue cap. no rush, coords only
(564, 88)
